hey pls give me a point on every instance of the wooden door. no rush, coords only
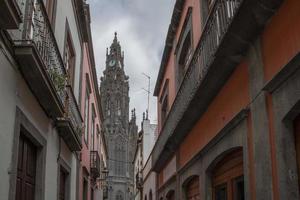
(297, 143)
(62, 184)
(25, 189)
(192, 189)
(228, 180)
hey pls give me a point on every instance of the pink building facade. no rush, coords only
(93, 153)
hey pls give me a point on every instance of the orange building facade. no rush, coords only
(229, 101)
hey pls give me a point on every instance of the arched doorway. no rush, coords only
(192, 189)
(228, 177)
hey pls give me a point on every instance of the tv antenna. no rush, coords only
(147, 90)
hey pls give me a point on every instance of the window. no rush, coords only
(184, 49)
(119, 196)
(69, 58)
(93, 127)
(92, 194)
(51, 11)
(164, 101)
(170, 195)
(85, 190)
(86, 114)
(297, 144)
(108, 107)
(120, 157)
(62, 183)
(118, 107)
(227, 177)
(185, 56)
(192, 189)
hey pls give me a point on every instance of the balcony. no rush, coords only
(42, 67)
(229, 29)
(39, 59)
(95, 164)
(10, 14)
(70, 126)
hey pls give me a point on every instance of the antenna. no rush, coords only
(148, 91)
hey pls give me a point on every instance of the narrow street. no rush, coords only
(150, 100)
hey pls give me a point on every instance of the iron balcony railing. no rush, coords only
(72, 111)
(219, 19)
(95, 164)
(36, 30)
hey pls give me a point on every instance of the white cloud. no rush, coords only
(141, 27)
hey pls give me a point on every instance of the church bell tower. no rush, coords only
(120, 133)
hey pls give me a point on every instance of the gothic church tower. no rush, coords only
(120, 133)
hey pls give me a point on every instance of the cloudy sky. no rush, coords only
(142, 26)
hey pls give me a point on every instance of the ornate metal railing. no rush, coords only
(219, 19)
(36, 30)
(72, 111)
(95, 163)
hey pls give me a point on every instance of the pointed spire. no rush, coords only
(116, 38)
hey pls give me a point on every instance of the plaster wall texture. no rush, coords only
(148, 139)
(15, 93)
(65, 13)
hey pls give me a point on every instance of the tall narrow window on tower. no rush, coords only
(119, 107)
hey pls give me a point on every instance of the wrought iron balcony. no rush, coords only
(229, 29)
(70, 126)
(42, 67)
(95, 164)
(39, 58)
(10, 14)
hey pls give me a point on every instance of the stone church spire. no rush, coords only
(120, 133)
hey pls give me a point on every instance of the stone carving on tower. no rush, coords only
(120, 133)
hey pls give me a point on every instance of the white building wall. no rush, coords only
(15, 93)
(66, 13)
(148, 139)
(7, 119)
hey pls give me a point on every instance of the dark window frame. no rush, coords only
(86, 114)
(51, 6)
(164, 103)
(185, 35)
(69, 49)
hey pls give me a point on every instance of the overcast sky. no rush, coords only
(142, 27)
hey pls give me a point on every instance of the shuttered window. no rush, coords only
(192, 189)
(228, 180)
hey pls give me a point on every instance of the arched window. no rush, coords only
(227, 177)
(120, 154)
(145, 197)
(150, 195)
(192, 189)
(108, 107)
(118, 107)
(170, 195)
(119, 196)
